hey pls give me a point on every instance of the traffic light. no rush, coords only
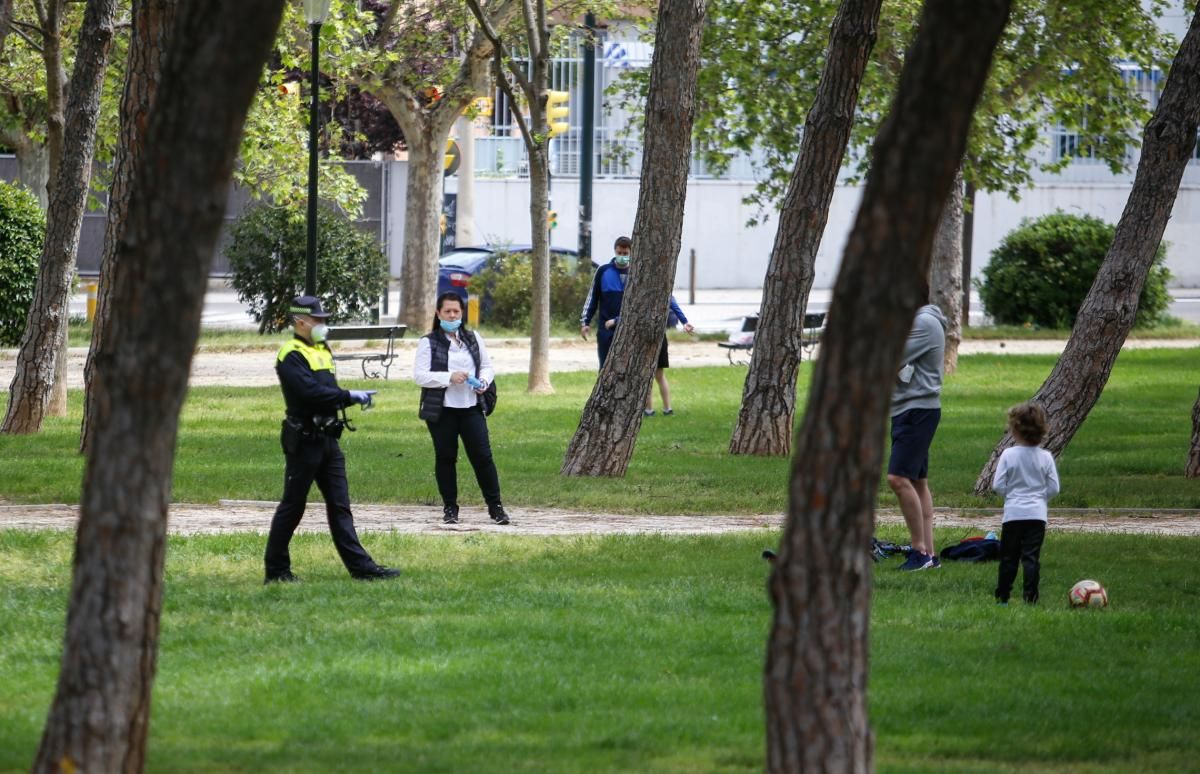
(552, 219)
(557, 108)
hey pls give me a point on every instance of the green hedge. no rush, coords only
(505, 287)
(268, 257)
(22, 233)
(1043, 270)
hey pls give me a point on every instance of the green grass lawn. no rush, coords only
(1130, 452)
(617, 654)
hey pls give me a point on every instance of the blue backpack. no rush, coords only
(972, 549)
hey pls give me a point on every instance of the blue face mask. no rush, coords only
(450, 326)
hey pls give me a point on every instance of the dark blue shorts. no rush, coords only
(912, 434)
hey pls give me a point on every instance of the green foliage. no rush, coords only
(1055, 65)
(267, 255)
(617, 653)
(1043, 269)
(22, 232)
(505, 286)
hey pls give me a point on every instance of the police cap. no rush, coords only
(309, 305)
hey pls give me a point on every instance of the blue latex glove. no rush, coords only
(364, 397)
(471, 380)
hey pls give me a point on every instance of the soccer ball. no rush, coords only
(1088, 593)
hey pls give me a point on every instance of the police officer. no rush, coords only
(309, 438)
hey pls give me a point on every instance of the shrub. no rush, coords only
(1044, 268)
(22, 232)
(505, 287)
(267, 255)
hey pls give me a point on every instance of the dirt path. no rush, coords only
(510, 356)
(255, 516)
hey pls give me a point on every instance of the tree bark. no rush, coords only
(1107, 313)
(46, 328)
(151, 20)
(945, 272)
(5, 20)
(603, 443)
(1193, 464)
(968, 250)
(768, 409)
(539, 206)
(33, 168)
(817, 658)
(100, 714)
(422, 213)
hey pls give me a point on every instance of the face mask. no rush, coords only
(450, 326)
(318, 333)
(622, 260)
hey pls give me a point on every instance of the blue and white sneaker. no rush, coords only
(935, 562)
(917, 561)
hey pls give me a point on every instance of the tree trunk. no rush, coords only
(56, 85)
(33, 170)
(57, 405)
(151, 20)
(817, 658)
(968, 250)
(1193, 465)
(764, 424)
(1107, 313)
(46, 327)
(539, 205)
(422, 213)
(604, 441)
(5, 19)
(945, 271)
(101, 710)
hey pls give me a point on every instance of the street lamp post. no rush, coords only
(315, 11)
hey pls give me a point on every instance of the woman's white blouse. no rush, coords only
(457, 395)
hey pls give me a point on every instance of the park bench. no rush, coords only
(741, 343)
(372, 362)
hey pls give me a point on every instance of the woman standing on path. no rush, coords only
(453, 370)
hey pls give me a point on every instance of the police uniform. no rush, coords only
(310, 446)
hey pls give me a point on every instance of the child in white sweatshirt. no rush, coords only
(1027, 478)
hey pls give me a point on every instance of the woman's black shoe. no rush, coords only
(283, 577)
(375, 573)
(450, 514)
(497, 513)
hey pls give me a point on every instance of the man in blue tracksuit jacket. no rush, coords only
(604, 302)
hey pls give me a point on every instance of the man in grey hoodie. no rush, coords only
(916, 410)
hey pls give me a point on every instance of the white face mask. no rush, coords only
(622, 260)
(318, 333)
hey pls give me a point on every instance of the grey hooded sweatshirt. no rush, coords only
(925, 351)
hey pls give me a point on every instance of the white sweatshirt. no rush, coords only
(1027, 478)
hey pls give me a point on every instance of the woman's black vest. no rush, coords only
(433, 398)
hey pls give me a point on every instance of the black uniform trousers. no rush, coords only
(1020, 541)
(471, 426)
(316, 458)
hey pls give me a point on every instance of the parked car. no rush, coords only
(456, 267)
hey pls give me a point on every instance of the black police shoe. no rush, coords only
(375, 573)
(450, 514)
(283, 577)
(497, 513)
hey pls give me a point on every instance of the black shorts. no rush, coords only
(912, 435)
(664, 361)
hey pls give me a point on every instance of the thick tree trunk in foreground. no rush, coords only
(817, 657)
(768, 410)
(44, 338)
(539, 205)
(151, 23)
(99, 719)
(608, 429)
(945, 270)
(1107, 314)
